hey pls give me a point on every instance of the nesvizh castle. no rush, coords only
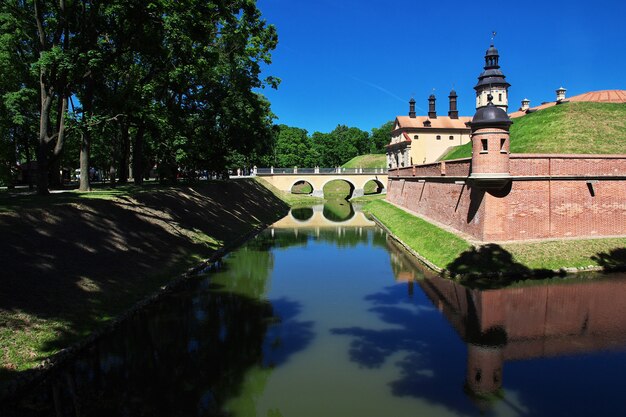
(425, 139)
(496, 195)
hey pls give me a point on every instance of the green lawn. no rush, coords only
(367, 161)
(517, 260)
(71, 263)
(433, 243)
(576, 128)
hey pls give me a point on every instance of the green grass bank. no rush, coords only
(367, 161)
(73, 262)
(493, 265)
(570, 128)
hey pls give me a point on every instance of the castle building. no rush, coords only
(496, 196)
(423, 139)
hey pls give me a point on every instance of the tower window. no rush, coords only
(484, 146)
(438, 137)
(500, 97)
(451, 137)
(416, 137)
(502, 143)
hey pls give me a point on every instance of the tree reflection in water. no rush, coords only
(189, 354)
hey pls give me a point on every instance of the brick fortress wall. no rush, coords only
(549, 196)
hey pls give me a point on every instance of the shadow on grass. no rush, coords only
(190, 354)
(69, 264)
(492, 266)
(613, 261)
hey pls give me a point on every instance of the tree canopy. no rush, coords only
(171, 84)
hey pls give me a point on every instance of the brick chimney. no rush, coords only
(412, 108)
(453, 113)
(432, 113)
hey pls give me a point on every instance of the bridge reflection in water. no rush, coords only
(547, 319)
(333, 214)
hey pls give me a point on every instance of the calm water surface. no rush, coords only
(322, 315)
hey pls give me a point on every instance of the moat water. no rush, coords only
(324, 315)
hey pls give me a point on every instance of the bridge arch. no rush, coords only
(373, 186)
(352, 185)
(302, 186)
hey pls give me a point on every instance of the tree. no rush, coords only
(291, 147)
(381, 137)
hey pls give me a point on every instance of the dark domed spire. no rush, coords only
(491, 74)
(490, 116)
(493, 81)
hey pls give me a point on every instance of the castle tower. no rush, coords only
(492, 80)
(490, 146)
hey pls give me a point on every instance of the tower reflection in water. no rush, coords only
(532, 320)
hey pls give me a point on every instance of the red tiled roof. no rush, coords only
(441, 122)
(602, 96)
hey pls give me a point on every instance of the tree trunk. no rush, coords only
(47, 83)
(85, 137)
(85, 182)
(124, 153)
(138, 155)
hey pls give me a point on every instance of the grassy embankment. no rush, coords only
(577, 128)
(367, 161)
(72, 262)
(456, 256)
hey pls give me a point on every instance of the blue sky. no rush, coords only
(359, 62)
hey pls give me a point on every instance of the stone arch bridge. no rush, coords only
(285, 178)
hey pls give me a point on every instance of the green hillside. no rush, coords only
(367, 161)
(584, 128)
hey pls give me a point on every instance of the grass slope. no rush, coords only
(71, 264)
(577, 128)
(433, 243)
(367, 161)
(527, 260)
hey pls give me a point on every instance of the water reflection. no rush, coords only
(302, 213)
(187, 355)
(332, 214)
(338, 210)
(340, 321)
(546, 320)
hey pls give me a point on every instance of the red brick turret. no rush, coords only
(490, 147)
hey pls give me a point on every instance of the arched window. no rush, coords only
(451, 137)
(416, 137)
(438, 137)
